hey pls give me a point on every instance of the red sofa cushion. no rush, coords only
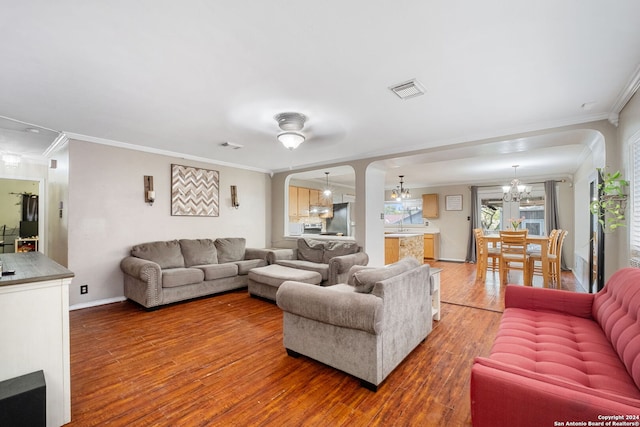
(617, 309)
(571, 348)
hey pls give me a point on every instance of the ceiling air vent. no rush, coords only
(409, 89)
(232, 145)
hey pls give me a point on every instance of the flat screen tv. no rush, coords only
(28, 228)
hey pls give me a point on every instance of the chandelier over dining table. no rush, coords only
(516, 190)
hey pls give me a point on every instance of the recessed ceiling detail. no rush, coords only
(408, 89)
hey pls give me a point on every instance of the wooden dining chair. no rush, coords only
(486, 256)
(537, 259)
(513, 254)
(553, 258)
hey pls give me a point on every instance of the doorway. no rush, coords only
(19, 212)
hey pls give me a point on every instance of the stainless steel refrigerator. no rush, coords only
(341, 222)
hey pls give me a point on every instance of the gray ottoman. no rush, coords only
(265, 281)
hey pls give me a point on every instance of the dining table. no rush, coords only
(542, 241)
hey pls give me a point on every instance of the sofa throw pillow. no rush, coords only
(198, 252)
(364, 280)
(310, 250)
(165, 254)
(230, 249)
(335, 248)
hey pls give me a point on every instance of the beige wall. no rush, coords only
(107, 212)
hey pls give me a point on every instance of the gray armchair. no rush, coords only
(365, 327)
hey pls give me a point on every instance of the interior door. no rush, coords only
(596, 254)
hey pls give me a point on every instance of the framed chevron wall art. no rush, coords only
(194, 191)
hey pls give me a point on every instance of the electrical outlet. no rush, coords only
(84, 289)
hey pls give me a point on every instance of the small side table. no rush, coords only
(26, 244)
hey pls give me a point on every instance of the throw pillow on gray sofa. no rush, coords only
(198, 252)
(311, 250)
(365, 279)
(336, 248)
(166, 254)
(230, 249)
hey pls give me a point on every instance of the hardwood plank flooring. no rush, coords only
(219, 361)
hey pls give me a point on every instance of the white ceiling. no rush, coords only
(183, 77)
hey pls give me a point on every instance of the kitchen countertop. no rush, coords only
(31, 267)
(400, 235)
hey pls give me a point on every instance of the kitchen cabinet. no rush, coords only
(430, 206)
(293, 201)
(314, 197)
(432, 246)
(303, 201)
(398, 246)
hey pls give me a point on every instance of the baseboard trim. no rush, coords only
(96, 303)
(461, 261)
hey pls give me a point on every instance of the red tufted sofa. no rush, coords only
(563, 357)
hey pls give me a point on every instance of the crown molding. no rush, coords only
(128, 146)
(625, 95)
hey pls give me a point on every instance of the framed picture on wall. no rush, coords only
(194, 191)
(453, 203)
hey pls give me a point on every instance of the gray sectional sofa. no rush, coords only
(158, 273)
(365, 326)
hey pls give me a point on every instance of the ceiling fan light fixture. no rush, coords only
(291, 124)
(291, 139)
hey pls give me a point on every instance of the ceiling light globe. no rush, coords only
(291, 140)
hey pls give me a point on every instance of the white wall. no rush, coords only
(57, 229)
(107, 212)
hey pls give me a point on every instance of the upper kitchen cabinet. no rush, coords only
(430, 206)
(293, 201)
(303, 201)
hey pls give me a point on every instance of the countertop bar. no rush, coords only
(31, 267)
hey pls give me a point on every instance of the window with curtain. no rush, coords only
(494, 215)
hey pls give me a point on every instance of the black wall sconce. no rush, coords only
(149, 194)
(234, 197)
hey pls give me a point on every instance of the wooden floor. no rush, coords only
(219, 361)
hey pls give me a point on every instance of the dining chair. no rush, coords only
(3, 238)
(484, 255)
(553, 259)
(513, 254)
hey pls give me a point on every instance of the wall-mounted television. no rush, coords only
(28, 228)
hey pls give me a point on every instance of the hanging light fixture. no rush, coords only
(400, 192)
(327, 189)
(291, 124)
(516, 190)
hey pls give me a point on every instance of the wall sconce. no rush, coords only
(234, 197)
(149, 194)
